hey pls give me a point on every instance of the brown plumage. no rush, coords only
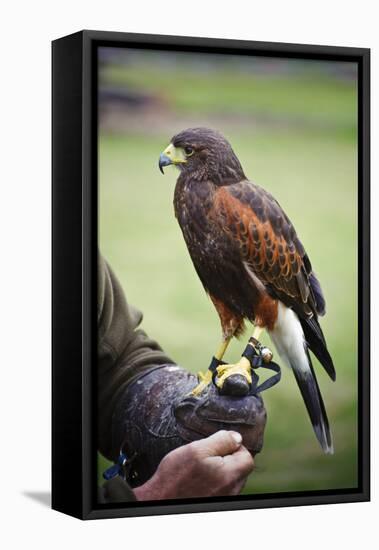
(248, 257)
(233, 229)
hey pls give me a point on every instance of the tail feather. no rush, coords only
(310, 391)
(292, 344)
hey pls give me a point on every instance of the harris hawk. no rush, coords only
(251, 263)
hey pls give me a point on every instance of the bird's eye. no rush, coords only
(188, 151)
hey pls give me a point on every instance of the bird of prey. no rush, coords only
(251, 263)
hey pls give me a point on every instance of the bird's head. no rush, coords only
(203, 154)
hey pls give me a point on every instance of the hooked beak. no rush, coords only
(171, 155)
(164, 160)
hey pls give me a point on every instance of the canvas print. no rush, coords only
(227, 275)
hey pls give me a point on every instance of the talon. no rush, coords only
(235, 379)
(204, 380)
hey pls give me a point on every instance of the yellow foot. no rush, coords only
(243, 367)
(204, 380)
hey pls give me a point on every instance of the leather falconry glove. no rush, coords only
(157, 413)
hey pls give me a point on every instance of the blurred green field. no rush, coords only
(308, 96)
(309, 164)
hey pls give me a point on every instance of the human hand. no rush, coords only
(215, 466)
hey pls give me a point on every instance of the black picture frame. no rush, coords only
(74, 206)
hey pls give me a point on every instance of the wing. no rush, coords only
(273, 256)
(269, 247)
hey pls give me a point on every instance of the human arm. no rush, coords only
(135, 377)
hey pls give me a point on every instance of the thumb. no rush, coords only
(221, 443)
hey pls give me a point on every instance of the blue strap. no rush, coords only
(117, 469)
(270, 381)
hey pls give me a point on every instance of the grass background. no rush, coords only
(293, 126)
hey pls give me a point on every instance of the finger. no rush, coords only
(240, 464)
(238, 486)
(232, 488)
(221, 443)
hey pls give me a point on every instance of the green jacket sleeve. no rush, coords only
(124, 350)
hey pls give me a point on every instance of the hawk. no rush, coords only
(251, 263)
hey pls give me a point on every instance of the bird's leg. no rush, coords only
(257, 332)
(241, 371)
(206, 378)
(222, 349)
(240, 384)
